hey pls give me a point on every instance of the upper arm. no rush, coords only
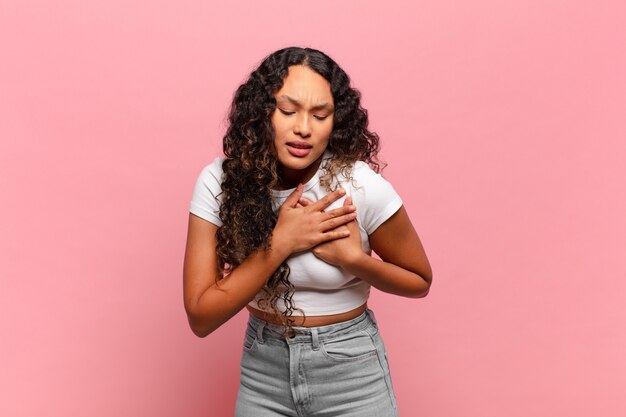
(205, 198)
(200, 267)
(374, 196)
(396, 241)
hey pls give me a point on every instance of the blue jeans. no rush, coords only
(335, 370)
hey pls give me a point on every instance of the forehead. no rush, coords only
(303, 83)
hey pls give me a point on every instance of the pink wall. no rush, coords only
(503, 124)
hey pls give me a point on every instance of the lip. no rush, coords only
(299, 148)
(299, 144)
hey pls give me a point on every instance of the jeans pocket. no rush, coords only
(384, 361)
(249, 340)
(349, 347)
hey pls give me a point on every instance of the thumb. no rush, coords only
(293, 198)
(347, 201)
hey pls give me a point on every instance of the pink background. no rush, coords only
(503, 124)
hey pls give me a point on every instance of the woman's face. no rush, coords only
(303, 122)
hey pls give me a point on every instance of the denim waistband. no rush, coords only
(313, 333)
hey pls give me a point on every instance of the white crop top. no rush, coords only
(320, 288)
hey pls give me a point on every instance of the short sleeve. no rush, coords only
(375, 198)
(205, 201)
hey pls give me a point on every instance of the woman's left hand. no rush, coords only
(341, 251)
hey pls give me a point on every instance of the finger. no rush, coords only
(328, 199)
(347, 201)
(334, 234)
(353, 225)
(345, 209)
(293, 198)
(305, 201)
(337, 221)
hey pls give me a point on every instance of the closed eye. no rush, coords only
(289, 113)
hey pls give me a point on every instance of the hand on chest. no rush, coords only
(308, 270)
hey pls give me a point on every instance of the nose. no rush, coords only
(302, 125)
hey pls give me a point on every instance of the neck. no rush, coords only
(290, 178)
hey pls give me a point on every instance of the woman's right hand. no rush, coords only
(300, 228)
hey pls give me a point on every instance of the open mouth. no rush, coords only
(299, 148)
(300, 145)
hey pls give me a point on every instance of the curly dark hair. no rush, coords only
(251, 167)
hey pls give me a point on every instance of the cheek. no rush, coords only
(328, 130)
(280, 126)
(330, 126)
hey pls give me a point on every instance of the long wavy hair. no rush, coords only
(251, 169)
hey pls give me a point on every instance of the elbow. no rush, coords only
(198, 328)
(197, 323)
(421, 292)
(204, 317)
(424, 293)
(201, 333)
(424, 286)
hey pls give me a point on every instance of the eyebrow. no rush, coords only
(320, 106)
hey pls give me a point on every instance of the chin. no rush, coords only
(297, 163)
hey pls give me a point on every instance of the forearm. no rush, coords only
(220, 302)
(297, 229)
(388, 277)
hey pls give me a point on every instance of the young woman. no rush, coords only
(284, 225)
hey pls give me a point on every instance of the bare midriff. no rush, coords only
(310, 321)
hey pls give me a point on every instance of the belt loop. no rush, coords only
(370, 313)
(315, 339)
(259, 331)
